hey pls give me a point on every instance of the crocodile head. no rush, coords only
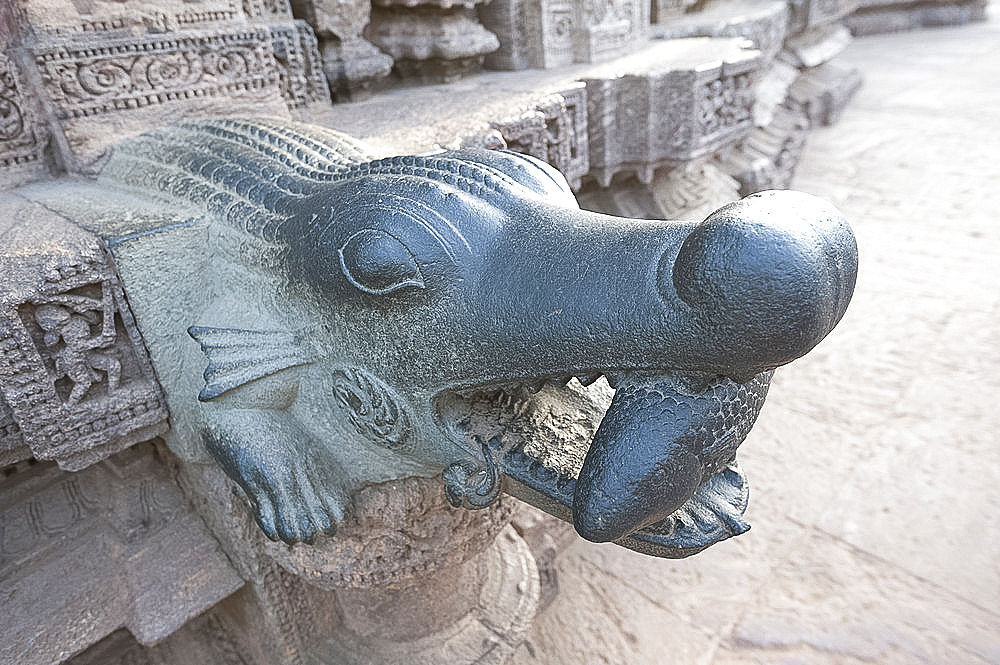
(366, 319)
(492, 307)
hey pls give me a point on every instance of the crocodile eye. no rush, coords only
(378, 263)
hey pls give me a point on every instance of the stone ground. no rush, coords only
(875, 465)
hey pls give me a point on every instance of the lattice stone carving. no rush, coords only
(74, 373)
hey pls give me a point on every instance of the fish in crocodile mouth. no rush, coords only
(641, 458)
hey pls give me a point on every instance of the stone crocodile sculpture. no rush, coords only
(326, 318)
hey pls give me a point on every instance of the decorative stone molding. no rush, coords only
(107, 70)
(764, 24)
(711, 105)
(551, 33)
(431, 43)
(23, 136)
(84, 554)
(81, 80)
(74, 372)
(555, 131)
(300, 68)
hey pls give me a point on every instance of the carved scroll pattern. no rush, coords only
(86, 81)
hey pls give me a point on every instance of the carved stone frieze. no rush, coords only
(23, 137)
(82, 80)
(65, 18)
(73, 369)
(266, 9)
(114, 545)
(555, 131)
(552, 33)
(710, 97)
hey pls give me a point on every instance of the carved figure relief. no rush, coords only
(73, 371)
(416, 314)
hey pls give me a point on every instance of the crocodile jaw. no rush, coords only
(649, 465)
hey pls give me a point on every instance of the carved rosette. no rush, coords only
(74, 372)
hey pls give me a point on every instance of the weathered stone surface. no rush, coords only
(707, 85)
(484, 608)
(555, 131)
(818, 45)
(823, 92)
(75, 375)
(690, 191)
(881, 16)
(553, 33)
(84, 554)
(300, 69)
(351, 63)
(24, 137)
(400, 532)
(764, 24)
(767, 158)
(809, 14)
(431, 45)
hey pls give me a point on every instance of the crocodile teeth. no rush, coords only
(587, 379)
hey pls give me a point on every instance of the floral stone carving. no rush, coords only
(343, 320)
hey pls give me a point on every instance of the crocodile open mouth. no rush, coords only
(641, 458)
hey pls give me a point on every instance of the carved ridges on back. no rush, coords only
(253, 173)
(244, 193)
(470, 177)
